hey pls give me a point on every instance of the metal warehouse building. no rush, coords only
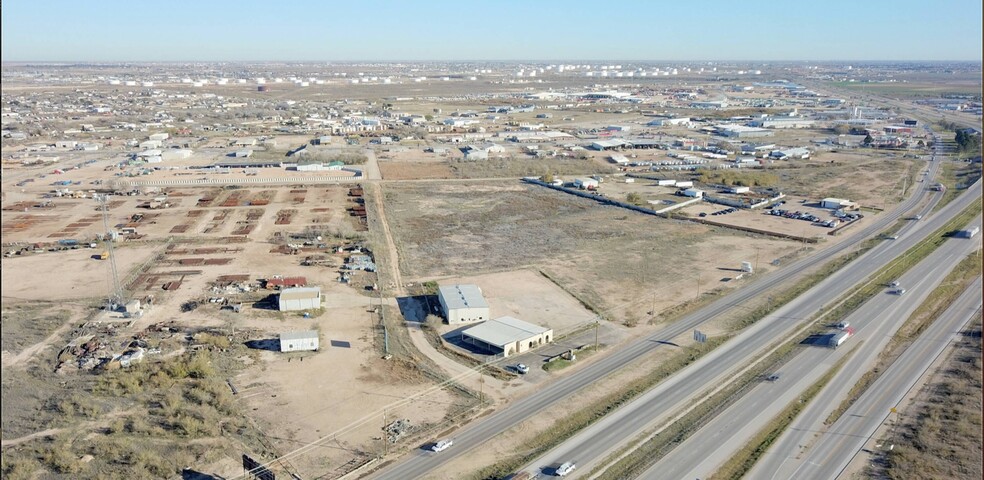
(300, 298)
(507, 336)
(463, 303)
(299, 341)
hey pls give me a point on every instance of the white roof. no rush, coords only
(298, 293)
(738, 128)
(503, 331)
(463, 296)
(301, 335)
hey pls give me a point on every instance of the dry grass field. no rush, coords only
(940, 435)
(618, 262)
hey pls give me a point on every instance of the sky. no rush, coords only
(392, 30)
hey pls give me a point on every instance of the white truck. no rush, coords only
(839, 338)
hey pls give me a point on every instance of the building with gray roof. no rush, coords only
(463, 303)
(507, 336)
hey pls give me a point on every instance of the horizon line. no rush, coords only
(978, 61)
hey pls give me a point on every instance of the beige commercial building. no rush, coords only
(507, 336)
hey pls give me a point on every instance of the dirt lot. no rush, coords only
(407, 170)
(621, 263)
(83, 276)
(529, 296)
(871, 180)
(209, 246)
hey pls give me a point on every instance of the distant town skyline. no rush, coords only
(507, 30)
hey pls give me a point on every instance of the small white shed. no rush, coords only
(303, 341)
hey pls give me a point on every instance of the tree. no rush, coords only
(634, 198)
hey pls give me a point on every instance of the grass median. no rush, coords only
(934, 305)
(740, 463)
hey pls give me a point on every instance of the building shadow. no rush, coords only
(189, 474)
(268, 344)
(416, 308)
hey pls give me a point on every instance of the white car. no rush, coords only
(894, 284)
(522, 368)
(442, 445)
(565, 468)
(900, 291)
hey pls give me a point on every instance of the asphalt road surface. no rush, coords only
(418, 463)
(838, 446)
(875, 322)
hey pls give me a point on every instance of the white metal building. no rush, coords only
(587, 183)
(507, 336)
(299, 298)
(835, 203)
(463, 303)
(303, 341)
(742, 131)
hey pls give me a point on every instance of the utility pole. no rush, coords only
(698, 285)
(652, 311)
(385, 439)
(596, 334)
(481, 385)
(116, 297)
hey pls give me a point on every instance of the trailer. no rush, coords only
(840, 337)
(968, 233)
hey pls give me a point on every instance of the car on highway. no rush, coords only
(442, 445)
(899, 291)
(522, 368)
(894, 284)
(774, 377)
(917, 217)
(565, 468)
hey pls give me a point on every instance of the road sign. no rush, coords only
(699, 336)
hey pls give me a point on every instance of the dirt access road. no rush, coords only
(392, 254)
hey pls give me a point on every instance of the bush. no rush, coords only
(18, 468)
(59, 457)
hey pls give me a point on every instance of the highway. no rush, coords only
(418, 463)
(837, 447)
(875, 323)
(691, 384)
